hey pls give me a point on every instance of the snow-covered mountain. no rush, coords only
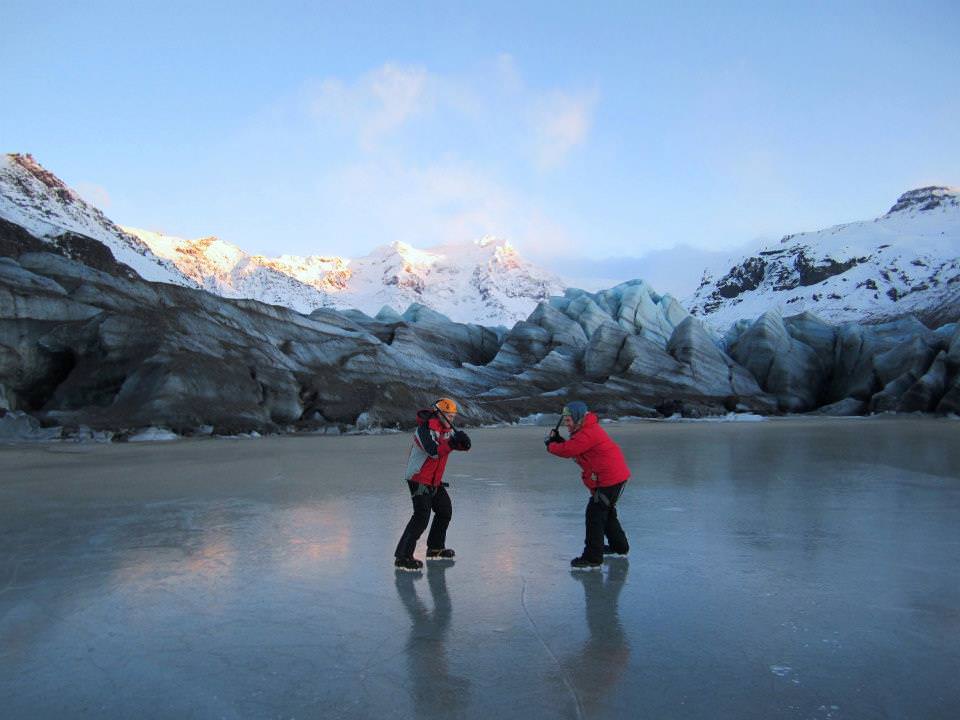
(227, 271)
(484, 282)
(907, 261)
(41, 203)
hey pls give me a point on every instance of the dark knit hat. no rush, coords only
(576, 410)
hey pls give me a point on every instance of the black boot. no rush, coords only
(582, 563)
(410, 564)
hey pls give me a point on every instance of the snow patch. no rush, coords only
(17, 426)
(729, 417)
(154, 434)
(538, 420)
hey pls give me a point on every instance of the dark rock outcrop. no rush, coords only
(926, 392)
(904, 262)
(925, 198)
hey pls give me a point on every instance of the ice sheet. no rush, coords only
(796, 568)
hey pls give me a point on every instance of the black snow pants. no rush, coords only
(602, 521)
(426, 498)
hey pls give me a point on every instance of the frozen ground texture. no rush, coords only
(784, 569)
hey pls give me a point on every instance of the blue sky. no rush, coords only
(603, 139)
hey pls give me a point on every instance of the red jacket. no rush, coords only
(600, 459)
(428, 455)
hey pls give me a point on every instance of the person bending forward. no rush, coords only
(604, 471)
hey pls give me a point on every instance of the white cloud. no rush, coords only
(399, 94)
(378, 103)
(479, 108)
(444, 201)
(405, 153)
(561, 123)
(675, 270)
(94, 194)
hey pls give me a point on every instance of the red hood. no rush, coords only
(588, 420)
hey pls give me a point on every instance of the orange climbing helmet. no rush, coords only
(446, 405)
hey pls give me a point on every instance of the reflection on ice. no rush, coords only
(605, 654)
(436, 692)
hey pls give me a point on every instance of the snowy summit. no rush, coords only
(485, 281)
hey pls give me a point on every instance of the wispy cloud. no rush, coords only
(402, 152)
(444, 201)
(378, 103)
(94, 194)
(561, 123)
(481, 108)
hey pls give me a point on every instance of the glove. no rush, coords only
(460, 440)
(553, 437)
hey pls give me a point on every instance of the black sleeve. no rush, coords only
(425, 436)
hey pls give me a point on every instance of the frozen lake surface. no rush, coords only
(782, 569)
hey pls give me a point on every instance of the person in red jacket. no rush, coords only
(605, 473)
(433, 441)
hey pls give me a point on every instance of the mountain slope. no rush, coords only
(40, 202)
(907, 261)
